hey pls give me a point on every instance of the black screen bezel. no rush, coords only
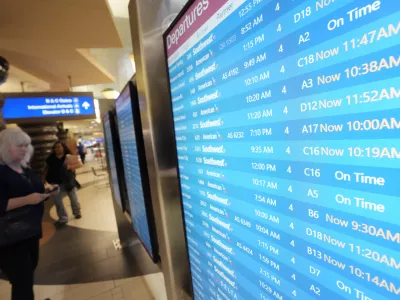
(111, 119)
(137, 124)
(174, 22)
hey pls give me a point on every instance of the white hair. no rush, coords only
(14, 136)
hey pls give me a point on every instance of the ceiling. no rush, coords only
(119, 8)
(46, 41)
(29, 83)
(84, 127)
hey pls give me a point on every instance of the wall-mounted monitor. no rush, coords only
(135, 168)
(287, 126)
(114, 158)
(42, 107)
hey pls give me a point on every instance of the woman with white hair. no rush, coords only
(21, 212)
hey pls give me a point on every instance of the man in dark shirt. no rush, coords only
(82, 152)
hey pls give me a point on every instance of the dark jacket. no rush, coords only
(57, 172)
(15, 185)
(68, 178)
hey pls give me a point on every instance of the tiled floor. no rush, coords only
(124, 289)
(79, 262)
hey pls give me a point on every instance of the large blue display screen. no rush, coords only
(111, 160)
(42, 107)
(132, 169)
(287, 118)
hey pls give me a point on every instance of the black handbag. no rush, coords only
(19, 224)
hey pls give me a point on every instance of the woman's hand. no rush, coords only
(31, 199)
(36, 198)
(52, 188)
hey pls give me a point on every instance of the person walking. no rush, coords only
(22, 193)
(58, 171)
(72, 147)
(71, 143)
(82, 152)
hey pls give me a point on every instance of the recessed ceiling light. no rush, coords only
(110, 93)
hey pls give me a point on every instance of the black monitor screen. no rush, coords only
(135, 167)
(287, 125)
(111, 157)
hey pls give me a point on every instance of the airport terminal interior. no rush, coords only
(80, 260)
(200, 149)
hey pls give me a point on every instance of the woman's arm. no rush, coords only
(31, 199)
(72, 162)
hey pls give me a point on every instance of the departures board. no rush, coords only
(135, 168)
(287, 118)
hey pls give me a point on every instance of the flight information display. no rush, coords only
(111, 159)
(133, 175)
(287, 118)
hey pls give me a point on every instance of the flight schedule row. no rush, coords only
(382, 181)
(260, 106)
(369, 153)
(373, 125)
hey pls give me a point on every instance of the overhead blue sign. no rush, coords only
(42, 107)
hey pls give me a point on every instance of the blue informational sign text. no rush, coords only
(44, 107)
